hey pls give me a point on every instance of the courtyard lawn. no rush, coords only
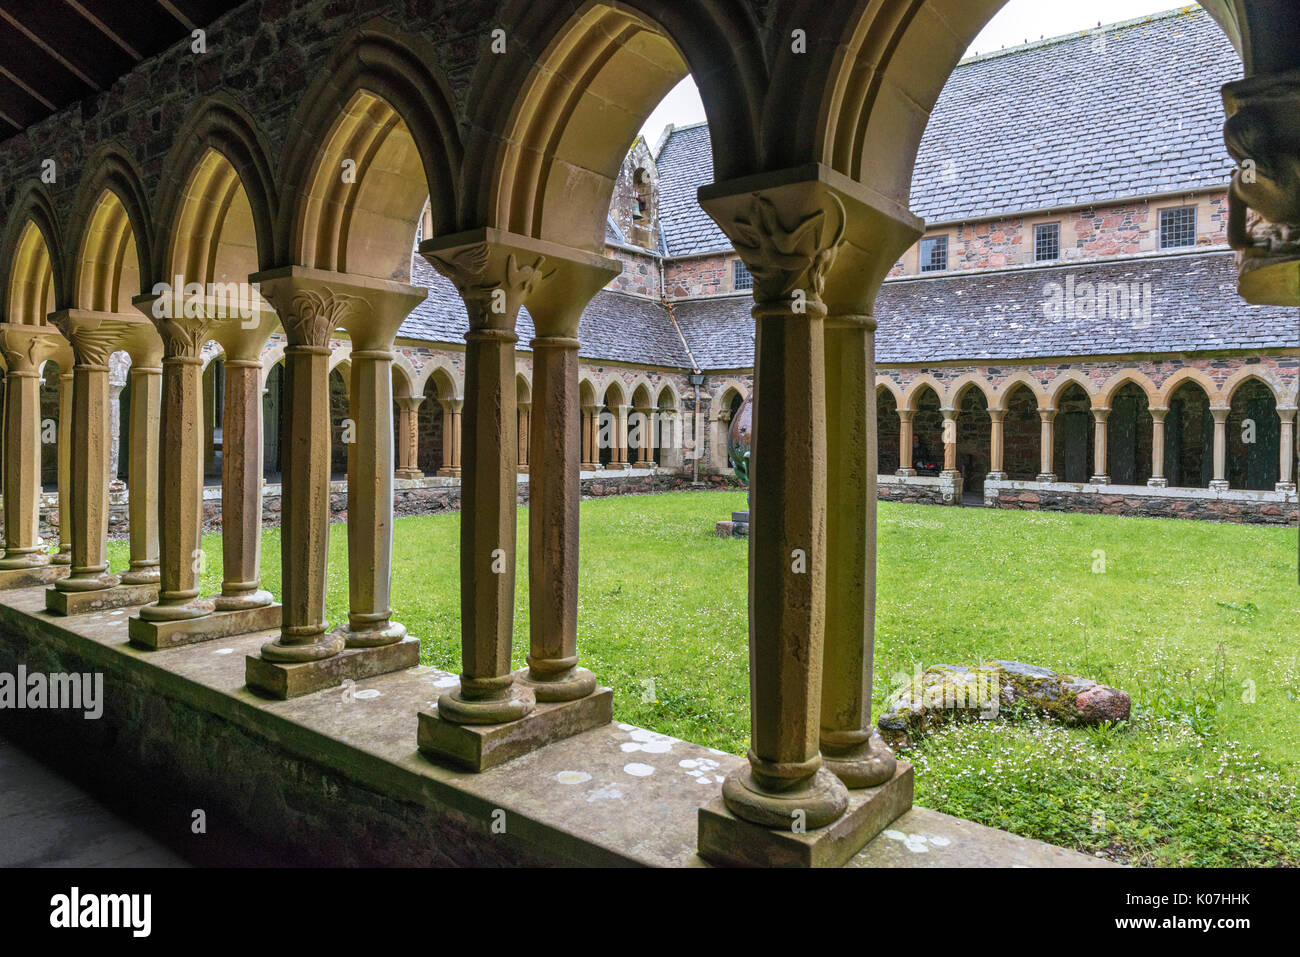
(1199, 622)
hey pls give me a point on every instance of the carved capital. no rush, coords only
(26, 347)
(493, 282)
(310, 315)
(787, 245)
(94, 336)
(1262, 134)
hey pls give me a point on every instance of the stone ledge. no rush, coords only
(337, 773)
(159, 635)
(86, 602)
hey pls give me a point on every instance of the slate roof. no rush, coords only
(1056, 123)
(1078, 120)
(1000, 315)
(685, 164)
(614, 327)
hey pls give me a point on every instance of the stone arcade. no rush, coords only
(232, 165)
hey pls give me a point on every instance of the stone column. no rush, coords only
(1220, 481)
(639, 417)
(180, 497)
(997, 445)
(67, 389)
(94, 337)
(408, 429)
(142, 471)
(1047, 446)
(1286, 466)
(949, 439)
(493, 281)
(25, 348)
(115, 434)
(1157, 479)
(1099, 476)
(619, 460)
(653, 455)
(555, 493)
(241, 467)
(788, 235)
(451, 416)
(852, 747)
(590, 460)
(905, 469)
(525, 427)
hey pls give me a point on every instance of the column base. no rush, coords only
(62, 557)
(142, 575)
(1157, 483)
(157, 635)
(408, 474)
(32, 575)
(244, 601)
(390, 634)
(577, 683)
(449, 473)
(1219, 485)
(88, 583)
(37, 558)
(727, 840)
(589, 467)
(84, 602)
(477, 747)
(905, 473)
(1099, 480)
(1286, 488)
(284, 680)
(995, 477)
(865, 765)
(1045, 477)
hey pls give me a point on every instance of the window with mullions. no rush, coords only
(1178, 227)
(934, 254)
(1047, 242)
(740, 276)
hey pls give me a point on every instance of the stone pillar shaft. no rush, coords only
(305, 503)
(847, 735)
(1099, 458)
(905, 440)
(89, 498)
(1220, 444)
(180, 489)
(67, 389)
(22, 464)
(554, 499)
(949, 440)
(1157, 444)
(1047, 444)
(370, 502)
(1286, 462)
(143, 473)
(408, 441)
(241, 488)
(996, 441)
(488, 507)
(525, 427)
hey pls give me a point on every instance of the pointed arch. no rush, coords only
(915, 388)
(217, 197)
(112, 259)
(449, 384)
(1103, 397)
(1185, 374)
(970, 380)
(1259, 374)
(31, 260)
(998, 401)
(889, 385)
(381, 102)
(1063, 381)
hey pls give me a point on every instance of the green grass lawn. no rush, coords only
(1199, 622)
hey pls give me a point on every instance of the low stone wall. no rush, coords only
(423, 496)
(918, 489)
(1235, 505)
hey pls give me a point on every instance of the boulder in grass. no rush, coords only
(982, 692)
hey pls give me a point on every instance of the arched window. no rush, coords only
(1074, 435)
(1128, 437)
(1022, 435)
(1189, 438)
(887, 432)
(1254, 437)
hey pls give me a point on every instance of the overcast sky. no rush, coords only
(1018, 21)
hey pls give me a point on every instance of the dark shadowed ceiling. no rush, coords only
(56, 52)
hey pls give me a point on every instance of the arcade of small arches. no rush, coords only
(1183, 431)
(515, 158)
